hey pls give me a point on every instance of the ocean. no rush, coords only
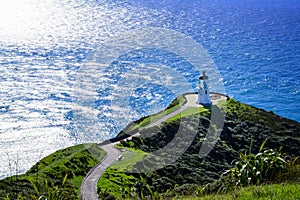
(64, 81)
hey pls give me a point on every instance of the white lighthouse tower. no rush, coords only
(203, 90)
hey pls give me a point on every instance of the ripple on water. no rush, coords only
(42, 108)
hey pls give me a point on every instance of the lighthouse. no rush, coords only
(203, 90)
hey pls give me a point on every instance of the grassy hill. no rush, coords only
(190, 175)
(245, 129)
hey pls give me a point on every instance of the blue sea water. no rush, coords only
(53, 95)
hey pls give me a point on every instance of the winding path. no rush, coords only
(88, 189)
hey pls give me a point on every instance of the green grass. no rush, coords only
(222, 104)
(187, 112)
(115, 181)
(243, 124)
(130, 157)
(244, 112)
(174, 105)
(74, 161)
(287, 191)
(153, 118)
(254, 169)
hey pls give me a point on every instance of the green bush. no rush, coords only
(254, 169)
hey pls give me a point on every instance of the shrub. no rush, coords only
(260, 168)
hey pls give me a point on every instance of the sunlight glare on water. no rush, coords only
(53, 22)
(42, 45)
(45, 43)
(28, 19)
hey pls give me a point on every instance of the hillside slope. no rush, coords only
(245, 129)
(59, 174)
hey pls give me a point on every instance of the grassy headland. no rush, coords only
(245, 130)
(190, 175)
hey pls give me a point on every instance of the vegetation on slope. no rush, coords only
(286, 191)
(60, 172)
(245, 127)
(120, 185)
(144, 121)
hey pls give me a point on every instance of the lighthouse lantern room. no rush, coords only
(203, 90)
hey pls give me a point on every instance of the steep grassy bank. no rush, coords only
(60, 172)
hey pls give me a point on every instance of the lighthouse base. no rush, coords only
(204, 99)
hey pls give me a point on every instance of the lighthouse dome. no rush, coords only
(203, 76)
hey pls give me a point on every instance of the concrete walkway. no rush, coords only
(88, 187)
(168, 116)
(191, 102)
